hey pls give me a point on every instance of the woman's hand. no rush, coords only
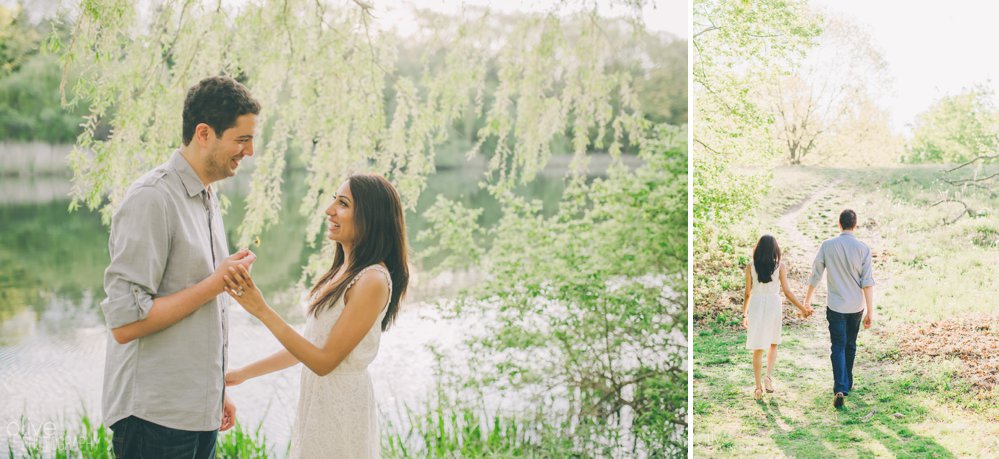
(243, 257)
(745, 321)
(235, 377)
(239, 285)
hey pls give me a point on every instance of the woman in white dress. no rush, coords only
(349, 307)
(762, 308)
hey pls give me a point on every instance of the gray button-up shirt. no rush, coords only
(166, 236)
(850, 269)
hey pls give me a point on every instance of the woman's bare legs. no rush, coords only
(771, 360)
(757, 369)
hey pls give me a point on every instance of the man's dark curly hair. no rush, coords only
(848, 219)
(216, 101)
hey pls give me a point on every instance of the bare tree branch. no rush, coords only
(971, 180)
(979, 158)
(709, 29)
(967, 210)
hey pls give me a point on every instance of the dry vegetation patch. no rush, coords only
(974, 340)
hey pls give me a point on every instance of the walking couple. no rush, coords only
(850, 283)
(171, 279)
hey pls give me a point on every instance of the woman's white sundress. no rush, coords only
(337, 413)
(766, 309)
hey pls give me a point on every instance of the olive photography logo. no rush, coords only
(31, 434)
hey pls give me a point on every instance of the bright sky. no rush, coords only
(933, 48)
(659, 15)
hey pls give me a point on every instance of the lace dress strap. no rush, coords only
(379, 268)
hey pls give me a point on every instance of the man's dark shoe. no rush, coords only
(838, 400)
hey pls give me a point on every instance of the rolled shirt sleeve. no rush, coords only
(818, 267)
(139, 245)
(867, 271)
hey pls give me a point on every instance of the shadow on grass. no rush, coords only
(877, 420)
(871, 422)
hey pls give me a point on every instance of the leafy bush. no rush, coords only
(589, 304)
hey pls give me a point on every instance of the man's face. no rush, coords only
(228, 150)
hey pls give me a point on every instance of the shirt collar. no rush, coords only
(187, 175)
(846, 233)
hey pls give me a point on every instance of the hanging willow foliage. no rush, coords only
(327, 78)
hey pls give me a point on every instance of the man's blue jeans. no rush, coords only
(138, 438)
(843, 329)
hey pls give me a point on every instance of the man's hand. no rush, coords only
(868, 320)
(228, 415)
(242, 258)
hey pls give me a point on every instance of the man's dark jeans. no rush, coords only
(138, 438)
(843, 329)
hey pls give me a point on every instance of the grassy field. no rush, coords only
(926, 373)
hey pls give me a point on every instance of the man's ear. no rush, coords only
(204, 134)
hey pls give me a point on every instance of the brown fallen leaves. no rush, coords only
(974, 340)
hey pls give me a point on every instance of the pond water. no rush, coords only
(53, 335)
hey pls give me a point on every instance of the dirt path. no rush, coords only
(807, 343)
(788, 223)
(803, 248)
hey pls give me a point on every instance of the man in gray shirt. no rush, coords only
(850, 282)
(164, 390)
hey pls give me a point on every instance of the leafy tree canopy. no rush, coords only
(957, 128)
(333, 93)
(738, 47)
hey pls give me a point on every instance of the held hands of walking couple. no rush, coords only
(805, 309)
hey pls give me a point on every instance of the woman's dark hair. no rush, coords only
(216, 101)
(381, 238)
(766, 257)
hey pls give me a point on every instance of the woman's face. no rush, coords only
(340, 216)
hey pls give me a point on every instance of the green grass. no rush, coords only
(442, 429)
(928, 270)
(243, 444)
(42, 440)
(89, 440)
(895, 409)
(448, 429)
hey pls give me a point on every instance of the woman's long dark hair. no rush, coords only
(766, 257)
(381, 238)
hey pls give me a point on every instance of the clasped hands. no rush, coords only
(807, 310)
(234, 273)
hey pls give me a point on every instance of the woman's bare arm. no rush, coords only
(787, 289)
(364, 302)
(275, 362)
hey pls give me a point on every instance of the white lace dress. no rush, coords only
(337, 413)
(766, 309)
